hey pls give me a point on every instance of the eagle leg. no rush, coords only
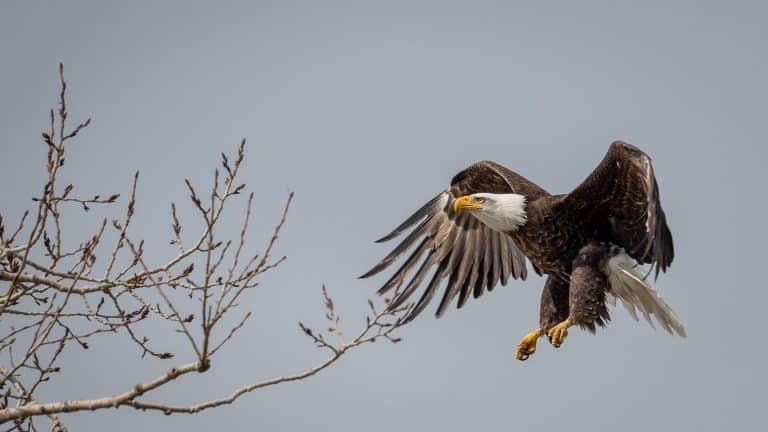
(586, 296)
(558, 333)
(553, 310)
(527, 345)
(554, 307)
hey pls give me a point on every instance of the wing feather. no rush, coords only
(456, 246)
(622, 194)
(424, 227)
(459, 256)
(430, 291)
(495, 273)
(506, 266)
(485, 267)
(425, 210)
(397, 278)
(474, 272)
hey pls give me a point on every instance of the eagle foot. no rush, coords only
(558, 333)
(527, 345)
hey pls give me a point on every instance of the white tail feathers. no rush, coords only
(627, 283)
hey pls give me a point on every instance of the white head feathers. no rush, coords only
(501, 212)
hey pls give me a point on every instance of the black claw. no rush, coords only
(525, 355)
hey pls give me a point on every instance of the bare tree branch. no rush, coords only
(56, 297)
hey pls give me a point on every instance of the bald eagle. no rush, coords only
(592, 245)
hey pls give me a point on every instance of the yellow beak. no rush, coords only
(465, 203)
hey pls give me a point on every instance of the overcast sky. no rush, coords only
(366, 110)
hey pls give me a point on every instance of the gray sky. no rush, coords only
(366, 109)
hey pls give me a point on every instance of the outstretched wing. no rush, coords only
(622, 195)
(455, 246)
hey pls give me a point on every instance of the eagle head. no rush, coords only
(500, 212)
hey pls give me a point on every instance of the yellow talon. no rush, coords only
(558, 333)
(527, 346)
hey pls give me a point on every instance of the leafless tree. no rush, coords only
(57, 298)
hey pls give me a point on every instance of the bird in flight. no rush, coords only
(591, 244)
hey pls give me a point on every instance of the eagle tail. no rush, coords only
(628, 283)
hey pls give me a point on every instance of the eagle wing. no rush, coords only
(456, 245)
(622, 194)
